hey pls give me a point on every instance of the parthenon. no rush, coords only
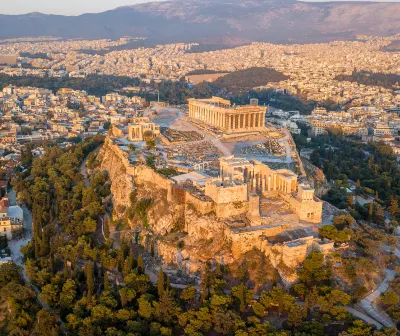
(219, 113)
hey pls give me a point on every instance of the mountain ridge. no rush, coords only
(196, 20)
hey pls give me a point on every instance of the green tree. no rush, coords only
(50, 295)
(160, 283)
(68, 294)
(295, 315)
(370, 210)
(166, 308)
(258, 309)
(145, 307)
(313, 270)
(358, 329)
(46, 324)
(89, 272)
(243, 294)
(393, 208)
(188, 293)
(343, 220)
(9, 272)
(390, 299)
(140, 264)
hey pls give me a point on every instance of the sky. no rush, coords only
(74, 7)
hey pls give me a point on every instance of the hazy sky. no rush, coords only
(72, 7)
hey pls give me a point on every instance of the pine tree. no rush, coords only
(393, 207)
(240, 293)
(358, 187)
(107, 285)
(218, 270)
(90, 279)
(132, 260)
(350, 201)
(65, 270)
(370, 210)
(305, 308)
(160, 282)
(127, 266)
(124, 299)
(140, 264)
(205, 284)
(106, 228)
(152, 248)
(37, 248)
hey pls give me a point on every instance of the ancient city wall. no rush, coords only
(226, 194)
(203, 207)
(244, 240)
(227, 210)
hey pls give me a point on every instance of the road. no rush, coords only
(363, 317)
(284, 142)
(367, 303)
(16, 244)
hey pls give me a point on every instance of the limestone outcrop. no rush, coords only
(186, 228)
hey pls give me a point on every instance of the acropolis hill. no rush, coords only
(247, 206)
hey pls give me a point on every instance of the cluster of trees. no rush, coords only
(19, 310)
(391, 299)
(203, 72)
(98, 289)
(366, 242)
(278, 100)
(35, 55)
(210, 47)
(373, 167)
(55, 191)
(366, 77)
(249, 78)
(98, 85)
(340, 231)
(91, 161)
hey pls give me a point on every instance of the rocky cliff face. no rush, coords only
(316, 178)
(122, 185)
(205, 240)
(162, 215)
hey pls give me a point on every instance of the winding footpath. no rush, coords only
(367, 303)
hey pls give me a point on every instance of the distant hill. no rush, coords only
(388, 81)
(213, 20)
(394, 46)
